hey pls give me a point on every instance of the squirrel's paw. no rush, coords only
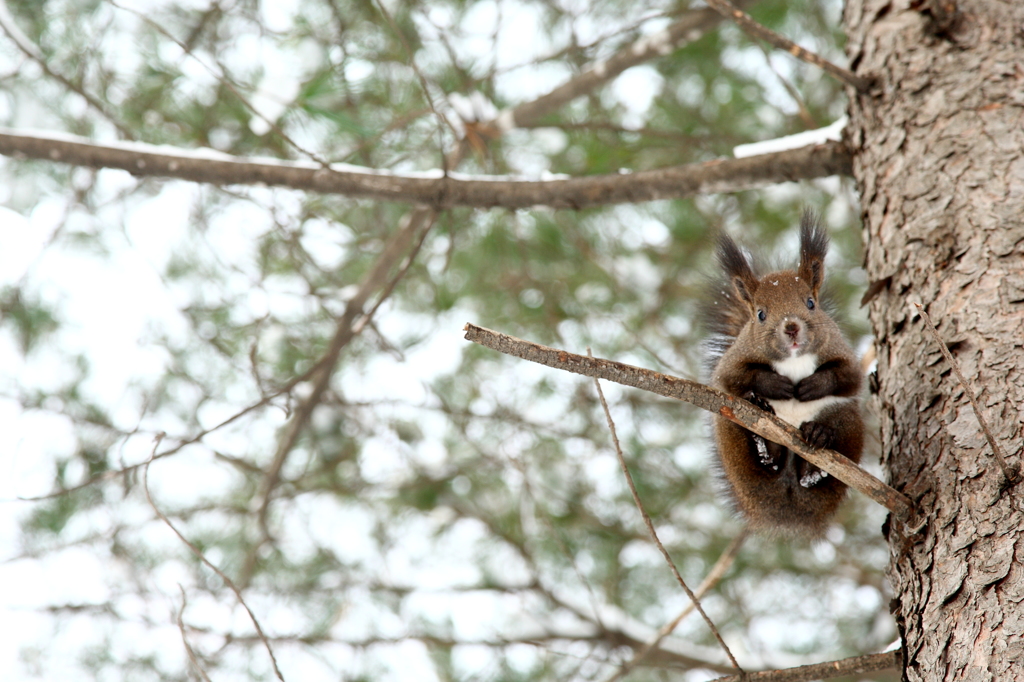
(818, 435)
(758, 401)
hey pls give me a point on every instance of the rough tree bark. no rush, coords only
(939, 157)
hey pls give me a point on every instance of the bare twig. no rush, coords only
(802, 110)
(710, 580)
(823, 671)
(756, 30)
(206, 562)
(654, 534)
(1010, 471)
(707, 398)
(435, 189)
(184, 638)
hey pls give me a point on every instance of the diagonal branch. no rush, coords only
(202, 557)
(692, 26)
(654, 533)
(192, 657)
(707, 398)
(756, 30)
(710, 580)
(436, 188)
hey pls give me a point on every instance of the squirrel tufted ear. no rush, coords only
(737, 268)
(813, 247)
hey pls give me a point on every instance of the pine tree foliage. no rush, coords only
(445, 512)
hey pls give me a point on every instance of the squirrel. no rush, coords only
(773, 343)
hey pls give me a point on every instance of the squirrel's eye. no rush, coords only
(762, 315)
(810, 304)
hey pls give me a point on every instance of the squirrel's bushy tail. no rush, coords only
(722, 313)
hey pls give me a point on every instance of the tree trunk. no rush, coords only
(939, 157)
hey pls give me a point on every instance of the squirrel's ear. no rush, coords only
(737, 268)
(813, 247)
(743, 290)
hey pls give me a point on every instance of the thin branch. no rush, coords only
(577, 48)
(756, 30)
(707, 398)
(802, 111)
(184, 638)
(654, 534)
(199, 555)
(823, 671)
(692, 26)
(433, 188)
(1010, 471)
(710, 580)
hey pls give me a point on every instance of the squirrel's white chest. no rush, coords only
(797, 367)
(794, 411)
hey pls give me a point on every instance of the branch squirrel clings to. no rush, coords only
(772, 343)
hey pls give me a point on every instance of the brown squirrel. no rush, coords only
(773, 343)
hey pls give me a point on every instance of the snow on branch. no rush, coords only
(434, 188)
